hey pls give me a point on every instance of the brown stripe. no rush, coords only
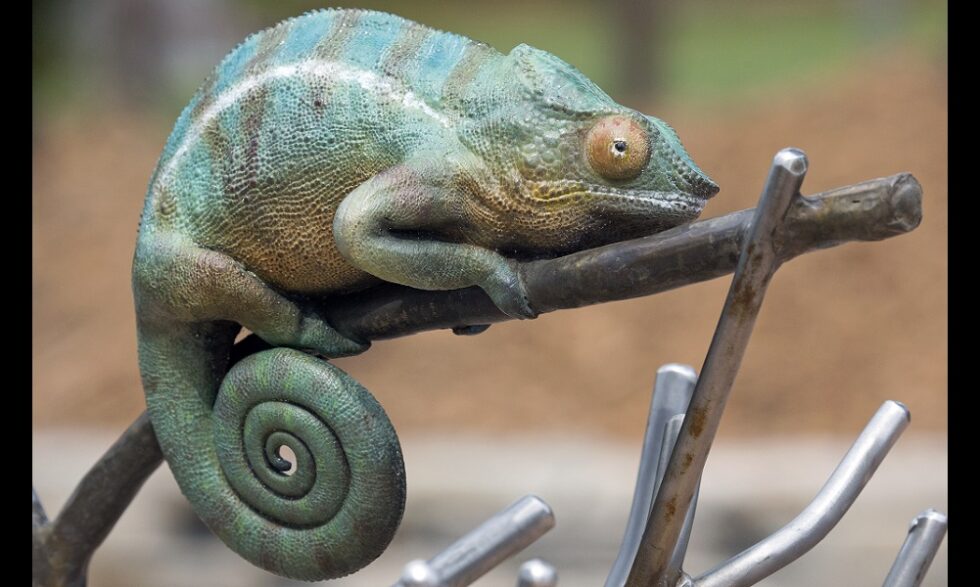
(267, 44)
(219, 147)
(207, 96)
(455, 86)
(253, 111)
(342, 31)
(404, 49)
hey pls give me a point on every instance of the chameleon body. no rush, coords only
(333, 151)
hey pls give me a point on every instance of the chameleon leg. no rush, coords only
(392, 227)
(221, 430)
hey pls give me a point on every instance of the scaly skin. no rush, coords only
(323, 155)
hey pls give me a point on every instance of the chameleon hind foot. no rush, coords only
(194, 284)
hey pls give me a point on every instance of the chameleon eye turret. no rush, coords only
(618, 147)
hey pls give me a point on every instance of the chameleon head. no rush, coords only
(599, 170)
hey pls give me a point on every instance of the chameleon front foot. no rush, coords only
(506, 288)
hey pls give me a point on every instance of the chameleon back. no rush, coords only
(292, 121)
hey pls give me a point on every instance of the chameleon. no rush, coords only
(327, 154)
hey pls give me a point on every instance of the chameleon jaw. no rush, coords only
(682, 206)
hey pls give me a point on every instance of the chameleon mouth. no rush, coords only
(634, 202)
(676, 202)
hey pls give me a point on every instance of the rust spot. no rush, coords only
(686, 462)
(744, 301)
(698, 418)
(671, 507)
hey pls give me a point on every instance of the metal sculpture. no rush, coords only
(684, 413)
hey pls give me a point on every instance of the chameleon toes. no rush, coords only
(316, 335)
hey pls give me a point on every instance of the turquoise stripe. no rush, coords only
(375, 34)
(304, 36)
(436, 59)
(231, 69)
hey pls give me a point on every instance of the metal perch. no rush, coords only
(537, 573)
(62, 548)
(868, 211)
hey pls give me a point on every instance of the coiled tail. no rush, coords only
(339, 506)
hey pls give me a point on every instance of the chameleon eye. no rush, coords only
(617, 147)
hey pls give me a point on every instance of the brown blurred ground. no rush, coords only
(840, 332)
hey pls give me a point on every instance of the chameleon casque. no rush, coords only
(324, 155)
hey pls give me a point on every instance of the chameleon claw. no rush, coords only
(508, 292)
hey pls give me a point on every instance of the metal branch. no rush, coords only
(868, 211)
(680, 550)
(925, 536)
(95, 506)
(827, 508)
(872, 210)
(38, 517)
(757, 263)
(39, 521)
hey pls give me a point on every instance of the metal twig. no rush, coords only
(39, 552)
(926, 534)
(827, 508)
(756, 265)
(671, 394)
(475, 554)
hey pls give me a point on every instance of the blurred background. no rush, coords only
(556, 406)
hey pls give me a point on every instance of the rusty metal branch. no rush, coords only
(756, 265)
(63, 547)
(872, 210)
(701, 251)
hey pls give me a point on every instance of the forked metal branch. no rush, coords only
(757, 263)
(868, 211)
(872, 210)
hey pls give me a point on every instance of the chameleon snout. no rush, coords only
(703, 187)
(694, 181)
